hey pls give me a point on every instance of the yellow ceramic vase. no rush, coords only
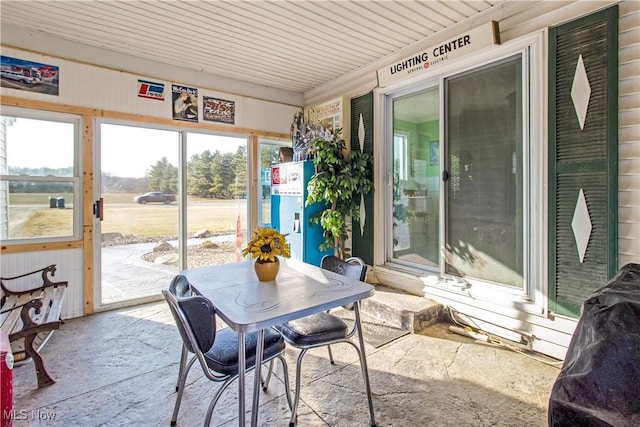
(267, 271)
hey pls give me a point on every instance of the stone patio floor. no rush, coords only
(119, 368)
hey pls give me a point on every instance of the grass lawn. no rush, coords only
(124, 216)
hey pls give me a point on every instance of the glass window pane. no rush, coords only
(39, 209)
(416, 184)
(39, 147)
(268, 154)
(216, 198)
(43, 150)
(485, 188)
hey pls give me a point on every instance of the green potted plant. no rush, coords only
(339, 180)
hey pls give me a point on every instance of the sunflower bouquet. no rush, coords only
(266, 244)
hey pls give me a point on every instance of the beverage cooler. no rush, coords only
(290, 216)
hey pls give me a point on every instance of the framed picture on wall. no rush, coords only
(30, 76)
(185, 103)
(219, 110)
(434, 153)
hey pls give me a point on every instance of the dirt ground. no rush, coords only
(200, 255)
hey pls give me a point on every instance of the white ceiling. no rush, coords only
(293, 45)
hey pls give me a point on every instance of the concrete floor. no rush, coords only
(119, 368)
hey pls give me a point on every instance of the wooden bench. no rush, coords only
(29, 317)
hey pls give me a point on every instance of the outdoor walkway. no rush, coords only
(119, 368)
(126, 275)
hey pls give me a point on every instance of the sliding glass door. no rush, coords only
(484, 223)
(137, 238)
(458, 197)
(169, 200)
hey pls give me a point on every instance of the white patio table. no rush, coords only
(248, 305)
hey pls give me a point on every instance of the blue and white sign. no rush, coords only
(151, 90)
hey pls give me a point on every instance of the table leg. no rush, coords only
(257, 380)
(365, 369)
(242, 367)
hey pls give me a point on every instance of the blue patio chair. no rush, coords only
(217, 351)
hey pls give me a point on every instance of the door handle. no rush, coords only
(445, 175)
(98, 209)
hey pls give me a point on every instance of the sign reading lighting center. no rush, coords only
(474, 39)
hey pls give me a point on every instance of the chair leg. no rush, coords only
(265, 383)
(287, 386)
(182, 379)
(215, 398)
(44, 379)
(285, 372)
(330, 355)
(183, 361)
(296, 399)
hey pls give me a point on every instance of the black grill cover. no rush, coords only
(599, 384)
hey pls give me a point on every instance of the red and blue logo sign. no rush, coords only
(153, 90)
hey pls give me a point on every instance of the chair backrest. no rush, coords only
(353, 268)
(180, 287)
(194, 315)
